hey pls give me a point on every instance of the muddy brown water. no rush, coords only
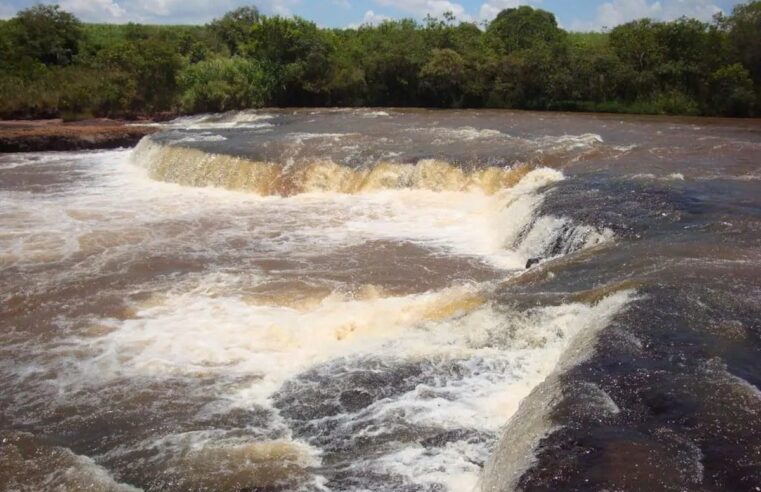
(339, 300)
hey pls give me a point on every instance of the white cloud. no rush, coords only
(371, 19)
(620, 11)
(146, 11)
(421, 8)
(616, 12)
(94, 9)
(698, 9)
(281, 7)
(165, 11)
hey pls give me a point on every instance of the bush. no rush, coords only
(223, 84)
(147, 69)
(675, 102)
(732, 91)
(47, 34)
(24, 98)
(442, 77)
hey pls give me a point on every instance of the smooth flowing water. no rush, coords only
(385, 300)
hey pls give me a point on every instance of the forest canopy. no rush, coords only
(53, 65)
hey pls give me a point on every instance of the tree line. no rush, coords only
(53, 65)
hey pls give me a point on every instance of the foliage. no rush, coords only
(147, 69)
(743, 28)
(233, 28)
(443, 76)
(46, 34)
(523, 28)
(391, 56)
(298, 55)
(732, 91)
(222, 84)
(52, 65)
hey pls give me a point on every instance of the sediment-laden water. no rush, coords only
(386, 300)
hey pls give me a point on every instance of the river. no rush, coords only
(386, 300)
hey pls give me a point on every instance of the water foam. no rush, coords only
(193, 334)
(500, 355)
(473, 372)
(474, 360)
(531, 421)
(546, 145)
(231, 120)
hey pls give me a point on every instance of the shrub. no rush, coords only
(222, 84)
(46, 34)
(675, 102)
(732, 91)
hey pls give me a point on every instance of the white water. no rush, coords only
(125, 205)
(476, 358)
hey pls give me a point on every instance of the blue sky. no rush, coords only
(572, 15)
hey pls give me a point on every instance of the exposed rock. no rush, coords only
(36, 136)
(533, 261)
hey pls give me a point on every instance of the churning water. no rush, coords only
(340, 300)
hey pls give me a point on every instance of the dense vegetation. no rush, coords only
(51, 64)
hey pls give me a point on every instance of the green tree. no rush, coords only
(47, 34)
(234, 28)
(743, 30)
(636, 44)
(690, 52)
(442, 78)
(148, 71)
(52, 65)
(348, 84)
(222, 84)
(523, 28)
(298, 54)
(596, 70)
(392, 55)
(530, 62)
(732, 91)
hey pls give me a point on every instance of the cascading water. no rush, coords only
(244, 302)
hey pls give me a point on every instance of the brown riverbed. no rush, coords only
(47, 135)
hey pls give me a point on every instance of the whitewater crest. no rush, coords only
(492, 213)
(232, 120)
(195, 167)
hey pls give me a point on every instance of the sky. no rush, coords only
(580, 15)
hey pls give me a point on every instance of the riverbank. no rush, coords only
(56, 135)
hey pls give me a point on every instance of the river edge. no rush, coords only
(57, 135)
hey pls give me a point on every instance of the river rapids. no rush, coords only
(401, 300)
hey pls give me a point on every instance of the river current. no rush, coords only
(386, 300)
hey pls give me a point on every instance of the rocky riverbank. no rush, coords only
(44, 135)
